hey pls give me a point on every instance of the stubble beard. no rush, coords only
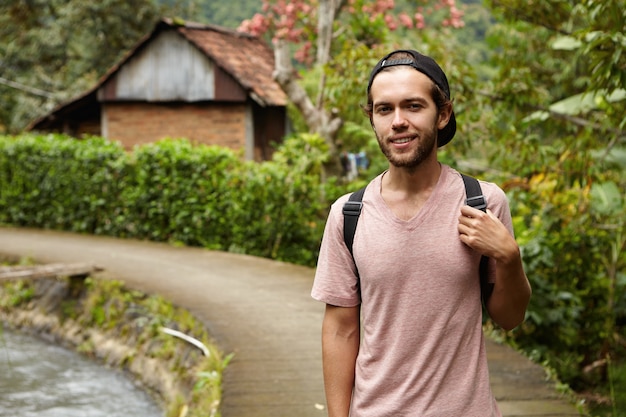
(426, 146)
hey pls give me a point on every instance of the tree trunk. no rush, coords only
(317, 119)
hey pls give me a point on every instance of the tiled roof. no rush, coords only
(248, 59)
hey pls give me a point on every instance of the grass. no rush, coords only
(613, 393)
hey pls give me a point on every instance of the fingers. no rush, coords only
(478, 229)
(470, 216)
(485, 233)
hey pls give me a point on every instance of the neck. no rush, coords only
(412, 180)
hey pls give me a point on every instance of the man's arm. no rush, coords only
(340, 346)
(486, 234)
(511, 293)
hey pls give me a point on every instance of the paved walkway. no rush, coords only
(262, 311)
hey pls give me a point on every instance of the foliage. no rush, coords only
(616, 392)
(574, 310)
(52, 50)
(366, 21)
(559, 110)
(15, 293)
(226, 14)
(49, 191)
(170, 191)
(178, 193)
(323, 35)
(289, 197)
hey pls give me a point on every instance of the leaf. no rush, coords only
(606, 198)
(584, 102)
(566, 43)
(617, 156)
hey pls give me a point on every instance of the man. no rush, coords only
(414, 278)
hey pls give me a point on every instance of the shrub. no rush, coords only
(170, 191)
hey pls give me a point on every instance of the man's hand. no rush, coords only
(486, 234)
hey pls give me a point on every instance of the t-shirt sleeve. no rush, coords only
(498, 203)
(336, 280)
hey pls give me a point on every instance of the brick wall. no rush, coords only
(208, 123)
(87, 128)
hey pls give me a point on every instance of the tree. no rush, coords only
(559, 106)
(222, 13)
(51, 50)
(314, 32)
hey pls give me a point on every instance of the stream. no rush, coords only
(38, 378)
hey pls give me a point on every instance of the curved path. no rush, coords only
(262, 311)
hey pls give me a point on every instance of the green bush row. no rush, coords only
(170, 191)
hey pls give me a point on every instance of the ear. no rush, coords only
(372, 124)
(444, 116)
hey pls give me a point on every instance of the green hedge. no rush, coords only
(170, 191)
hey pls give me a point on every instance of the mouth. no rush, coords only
(400, 140)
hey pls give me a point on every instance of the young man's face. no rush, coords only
(405, 117)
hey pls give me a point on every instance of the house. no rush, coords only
(209, 84)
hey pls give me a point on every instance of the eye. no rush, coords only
(415, 106)
(383, 109)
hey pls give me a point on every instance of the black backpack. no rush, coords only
(474, 198)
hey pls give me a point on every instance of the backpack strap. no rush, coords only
(474, 198)
(351, 211)
(473, 193)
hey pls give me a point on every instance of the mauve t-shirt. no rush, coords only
(422, 351)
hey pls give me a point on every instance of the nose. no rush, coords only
(399, 121)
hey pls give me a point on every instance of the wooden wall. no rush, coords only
(170, 68)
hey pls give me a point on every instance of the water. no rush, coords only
(40, 379)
